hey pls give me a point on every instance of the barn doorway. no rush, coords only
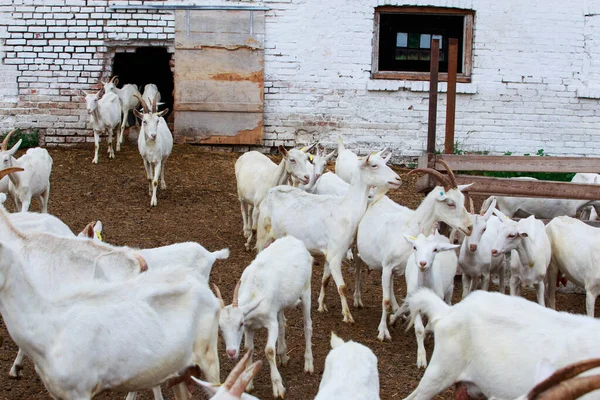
(147, 65)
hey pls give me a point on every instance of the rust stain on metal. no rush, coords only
(256, 77)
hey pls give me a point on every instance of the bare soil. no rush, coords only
(200, 204)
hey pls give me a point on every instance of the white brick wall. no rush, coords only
(535, 81)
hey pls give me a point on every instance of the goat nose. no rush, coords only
(422, 264)
(307, 177)
(231, 354)
(494, 252)
(473, 247)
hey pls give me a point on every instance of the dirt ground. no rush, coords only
(200, 204)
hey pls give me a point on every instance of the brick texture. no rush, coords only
(535, 81)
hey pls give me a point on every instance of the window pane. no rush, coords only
(424, 55)
(413, 55)
(401, 54)
(402, 39)
(425, 41)
(414, 40)
(439, 37)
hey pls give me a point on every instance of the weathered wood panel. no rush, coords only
(224, 29)
(519, 163)
(218, 127)
(219, 76)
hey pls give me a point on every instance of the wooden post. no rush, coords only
(433, 92)
(451, 96)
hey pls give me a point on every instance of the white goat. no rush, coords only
(276, 279)
(495, 342)
(171, 324)
(235, 384)
(54, 262)
(151, 91)
(380, 240)
(129, 96)
(350, 372)
(315, 166)
(346, 162)
(575, 253)
(430, 265)
(589, 179)
(34, 181)
(539, 207)
(475, 256)
(326, 224)
(104, 110)
(255, 174)
(155, 144)
(530, 247)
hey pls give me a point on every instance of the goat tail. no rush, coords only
(340, 144)
(425, 302)
(222, 254)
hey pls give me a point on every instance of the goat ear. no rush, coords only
(15, 147)
(500, 214)
(163, 112)
(490, 210)
(336, 341)
(447, 246)
(98, 226)
(138, 114)
(283, 151)
(248, 309)
(387, 158)
(462, 188)
(409, 239)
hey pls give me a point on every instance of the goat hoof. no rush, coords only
(15, 372)
(308, 367)
(322, 308)
(384, 335)
(348, 319)
(358, 304)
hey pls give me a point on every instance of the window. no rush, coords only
(403, 36)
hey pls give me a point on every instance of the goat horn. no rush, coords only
(5, 141)
(144, 105)
(154, 102)
(113, 78)
(561, 375)
(471, 205)
(218, 293)
(142, 261)
(236, 293)
(9, 170)
(571, 389)
(451, 176)
(437, 174)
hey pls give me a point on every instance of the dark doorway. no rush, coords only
(147, 65)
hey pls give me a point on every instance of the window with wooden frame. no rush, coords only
(402, 41)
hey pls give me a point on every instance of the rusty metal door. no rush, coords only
(219, 76)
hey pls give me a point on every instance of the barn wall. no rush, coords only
(55, 48)
(535, 81)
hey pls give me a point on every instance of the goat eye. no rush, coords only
(512, 236)
(452, 205)
(415, 248)
(292, 161)
(435, 250)
(374, 166)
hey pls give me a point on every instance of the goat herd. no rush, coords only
(62, 296)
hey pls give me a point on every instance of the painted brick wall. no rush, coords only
(535, 81)
(53, 49)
